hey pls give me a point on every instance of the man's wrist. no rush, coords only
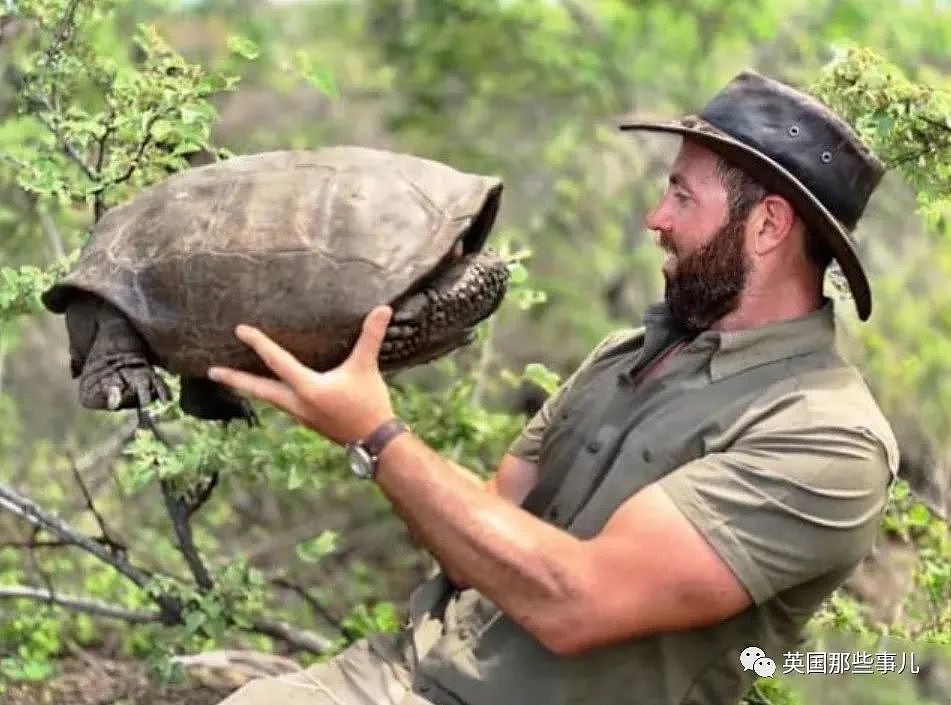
(363, 453)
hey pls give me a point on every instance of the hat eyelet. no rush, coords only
(793, 130)
(826, 156)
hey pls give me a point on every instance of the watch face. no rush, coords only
(360, 461)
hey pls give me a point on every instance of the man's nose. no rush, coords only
(658, 218)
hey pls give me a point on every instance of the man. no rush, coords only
(694, 490)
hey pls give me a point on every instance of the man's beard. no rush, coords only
(706, 284)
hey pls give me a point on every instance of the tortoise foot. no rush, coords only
(121, 383)
(205, 399)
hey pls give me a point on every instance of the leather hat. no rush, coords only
(794, 146)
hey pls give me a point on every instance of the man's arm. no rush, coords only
(514, 478)
(783, 506)
(570, 594)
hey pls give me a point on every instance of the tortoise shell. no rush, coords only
(301, 244)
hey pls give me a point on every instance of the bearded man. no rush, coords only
(692, 492)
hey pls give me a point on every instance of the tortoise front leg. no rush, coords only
(205, 399)
(110, 357)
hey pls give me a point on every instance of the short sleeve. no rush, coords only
(527, 445)
(784, 507)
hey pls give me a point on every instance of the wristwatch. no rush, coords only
(362, 454)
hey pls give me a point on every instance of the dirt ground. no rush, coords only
(99, 681)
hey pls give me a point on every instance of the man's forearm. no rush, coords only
(530, 569)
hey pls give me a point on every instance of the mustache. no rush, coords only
(666, 243)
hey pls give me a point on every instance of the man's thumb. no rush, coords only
(367, 349)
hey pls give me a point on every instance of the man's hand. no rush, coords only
(343, 404)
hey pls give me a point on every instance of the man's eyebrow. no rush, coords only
(677, 179)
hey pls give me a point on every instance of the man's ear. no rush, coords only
(773, 220)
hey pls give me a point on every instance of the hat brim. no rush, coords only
(777, 179)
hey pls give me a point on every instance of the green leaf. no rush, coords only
(313, 550)
(323, 79)
(517, 274)
(214, 82)
(537, 373)
(194, 620)
(295, 478)
(919, 515)
(244, 47)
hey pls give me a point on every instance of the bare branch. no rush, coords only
(315, 605)
(38, 567)
(79, 604)
(99, 206)
(103, 452)
(177, 509)
(203, 494)
(179, 512)
(68, 149)
(300, 638)
(35, 544)
(27, 509)
(52, 234)
(3, 358)
(105, 535)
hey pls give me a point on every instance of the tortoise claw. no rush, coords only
(113, 397)
(121, 386)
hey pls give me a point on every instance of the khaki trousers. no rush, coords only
(368, 672)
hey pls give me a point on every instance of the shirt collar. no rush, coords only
(738, 350)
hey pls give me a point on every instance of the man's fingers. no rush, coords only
(281, 362)
(269, 390)
(367, 349)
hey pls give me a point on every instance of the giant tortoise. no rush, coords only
(302, 244)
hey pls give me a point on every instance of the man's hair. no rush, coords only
(743, 192)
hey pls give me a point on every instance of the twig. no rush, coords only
(35, 544)
(911, 156)
(179, 512)
(88, 659)
(315, 605)
(52, 234)
(935, 123)
(23, 507)
(203, 494)
(104, 451)
(105, 535)
(79, 604)
(170, 609)
(3, 357)
(300, 638)
(136, 159)
(44, 576)
(68, 149)
(485, 358)
(99, 206)
(50, 103)
(761, 698)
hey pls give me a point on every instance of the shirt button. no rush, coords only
(553, 513)
(594, 446)
(425, 687)
(646, 455)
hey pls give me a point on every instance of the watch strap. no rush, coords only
(383, 434)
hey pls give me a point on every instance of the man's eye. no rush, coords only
(681, 197)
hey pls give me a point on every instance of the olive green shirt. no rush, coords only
(766, 441)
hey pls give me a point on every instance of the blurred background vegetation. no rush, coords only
(99, 99)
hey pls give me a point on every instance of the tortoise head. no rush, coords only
(439, 313)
